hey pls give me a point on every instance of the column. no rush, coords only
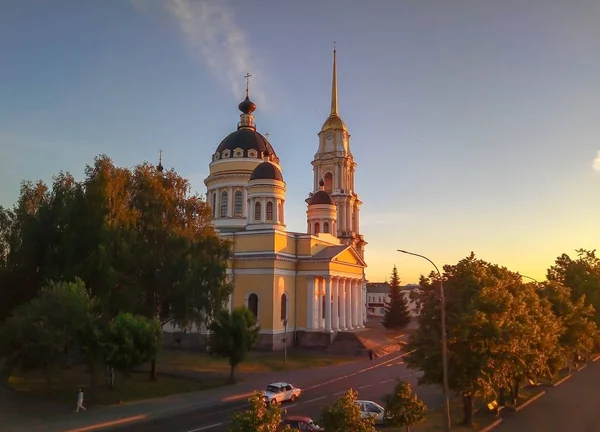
(276, 211)
(320, 318)
(349, 321)
(328, 304)
(357, 220)
(342, 293)
(263, 212)
(310, 303)
(245, 210)
(336, 311)
(230, 201)
(355, 300)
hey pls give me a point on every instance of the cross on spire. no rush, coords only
(334, 45)
(160, 156)
(247, 82)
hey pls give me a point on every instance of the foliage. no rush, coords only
(233, 335)
(397, 314)
(344, 415)
(497, 331)
(403, 407)
(259, 418)
(130, 341)
(581, 276)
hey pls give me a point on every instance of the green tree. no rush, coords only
(581, 276)
(259, 418)
(344, 415)
(233, 335)
(403, 408)
(397, 314)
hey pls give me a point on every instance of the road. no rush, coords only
(371, 385)
(572, 406)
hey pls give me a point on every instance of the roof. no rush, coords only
(384, 287)
(329, 252)
(298, 418)
(321, 197)
(266, 171)
(279, 384)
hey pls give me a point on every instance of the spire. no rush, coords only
(159, 167)
(334, 97)
(247, 107)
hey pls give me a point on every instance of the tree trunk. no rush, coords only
(153, 370)
(407, 428)
(231, 374)
(502, 397)
(468, 406)
(515, 392)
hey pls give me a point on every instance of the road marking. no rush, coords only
(109, 424)
(365, 386)
(387, 381)
(340, 392)
(314, 400)
(289, 406)
(205, 427)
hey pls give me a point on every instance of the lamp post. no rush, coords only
(447, 420)
(285, 322)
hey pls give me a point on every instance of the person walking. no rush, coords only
(80, 401)
(370, 354)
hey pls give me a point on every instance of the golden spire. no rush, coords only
(334, 97)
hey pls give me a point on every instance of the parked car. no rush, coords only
(371, 409)
(301, 423)
(279, 392)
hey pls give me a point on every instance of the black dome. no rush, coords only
(246, 139)
(321, 197)
(266, 171)
(247, 106)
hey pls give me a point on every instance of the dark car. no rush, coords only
(301, 423)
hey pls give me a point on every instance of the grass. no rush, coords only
(63, 386)
(190, 361)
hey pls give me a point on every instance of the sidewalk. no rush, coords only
(62, 419)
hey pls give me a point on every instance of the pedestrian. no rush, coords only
(80, 401)
(370, 354)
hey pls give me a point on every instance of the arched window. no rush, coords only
(317, 228)
(328, 180)
(224, 202)
(214, 205)
(269, 211)
(257, 211)
(325, 227)
(284, 307)
(279, 214)
(323, 306)
(237, 204)
(253, 304)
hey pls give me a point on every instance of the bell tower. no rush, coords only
(335, 166)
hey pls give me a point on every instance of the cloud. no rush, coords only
(213, 36)
(596, 163)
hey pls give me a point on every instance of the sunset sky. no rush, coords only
(475, 124)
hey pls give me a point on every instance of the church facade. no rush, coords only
(303, 288)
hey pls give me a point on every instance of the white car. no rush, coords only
(279, 392)
(371, 409)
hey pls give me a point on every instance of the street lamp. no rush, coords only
(527, 277)
(285, 321)
(447, 421)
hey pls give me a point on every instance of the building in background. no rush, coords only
(378, 295)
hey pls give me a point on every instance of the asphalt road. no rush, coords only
(371, 385)
(573, 406)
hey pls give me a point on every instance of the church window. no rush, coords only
(328, 179)
(269, 211)
(317, 228)
(252, 153)
(284, 307)
(325, 227)
(323, 307)
(226, 153)
(214, 205)
(257, 211)
(238, 152)
(237, 206)
(224, 202)
(253, 304)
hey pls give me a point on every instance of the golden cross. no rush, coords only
(334, 44)
(247, 82)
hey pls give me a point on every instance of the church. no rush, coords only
(305, 287)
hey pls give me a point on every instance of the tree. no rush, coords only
(233, 335)
(344, 415)
(492, 332)
(403, 408)
(397, 315)
(259, 418)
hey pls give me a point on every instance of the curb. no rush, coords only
(556, 384)
(530, 401)
(581, 368)
(490, 426)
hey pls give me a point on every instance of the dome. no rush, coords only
(334, 122)
(321, 197)
(247, 106)
(246, 139)
(266, 171)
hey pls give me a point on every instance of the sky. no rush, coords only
(475, 124)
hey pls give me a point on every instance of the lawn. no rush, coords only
(182, 360)
(63, 386)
